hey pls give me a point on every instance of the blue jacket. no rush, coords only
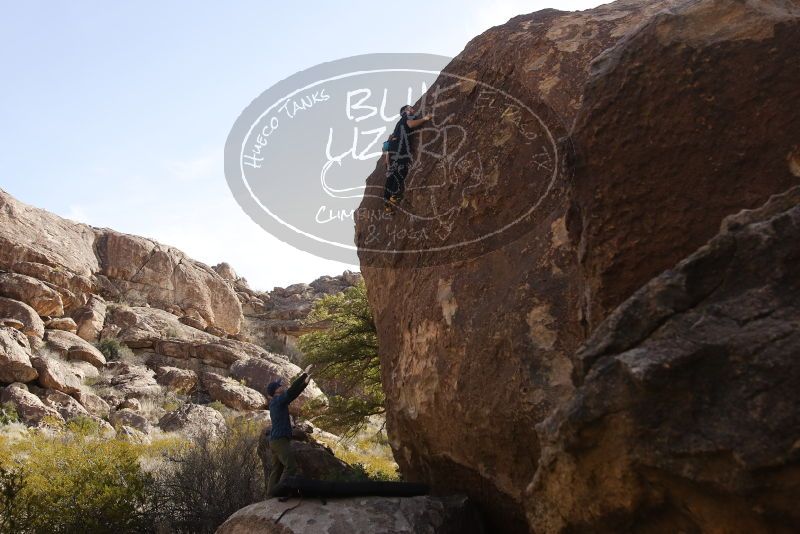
(279, 409)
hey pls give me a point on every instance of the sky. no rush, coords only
(116, 114)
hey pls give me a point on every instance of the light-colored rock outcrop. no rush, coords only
(147, 272)
(29, 407)
(68, 261)
(62, 323)
(125, 417)
(376, 515)
(72, 287)
(225, 271)
(179, 380)
(35, 293)
(15, 357)
(214, 352)
(69, 345)
(65, 243)
(55, 373)
(193, 420)
(65, 405)
(91, 318)
(94, 404)
(142, 327)
(276, 319)
(130, 380)
(231, 393)
(32, 323)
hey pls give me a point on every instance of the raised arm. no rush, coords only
(414, 123)
(299, 385)
(296, 388)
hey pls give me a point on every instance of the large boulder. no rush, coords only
(69, 345)
(176, 379)
(147, 272)
(15, 357)
(68, 407)
(687, 416)
(142, 327)
(29, 407)
(476, 331)
(194, 420)
(231, 393)
(66, 324)
(125, 417)
(91, 318)
(718, 139)
(93, 403)
(29, 234)
(32, 323)
(35, 293)
(72, 287)
(57, 374)
(131, 381)
(376, 515)
(220, 353)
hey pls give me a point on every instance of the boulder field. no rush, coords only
(177, 330)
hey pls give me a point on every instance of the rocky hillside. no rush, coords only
(613, 361)
(181, 334)
(276, 319)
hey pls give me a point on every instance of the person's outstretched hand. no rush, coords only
(308, 369)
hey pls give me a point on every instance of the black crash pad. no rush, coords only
(308, 487)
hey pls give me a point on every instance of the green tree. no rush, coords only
(345, 354)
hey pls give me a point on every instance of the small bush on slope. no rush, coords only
(114, 350)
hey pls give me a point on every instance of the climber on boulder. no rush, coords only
(399, 155)
(283, 462)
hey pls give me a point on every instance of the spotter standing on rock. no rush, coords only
(283, 462)
(398, 155)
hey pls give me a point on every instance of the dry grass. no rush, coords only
(368, 449)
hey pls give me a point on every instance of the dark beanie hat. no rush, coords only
(273, 386)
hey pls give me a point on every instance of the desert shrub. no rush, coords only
(73, 482)
(217, 405)
(171, 404)
(113, 349)
(83, 425)
(8, 414)
(201, 485)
